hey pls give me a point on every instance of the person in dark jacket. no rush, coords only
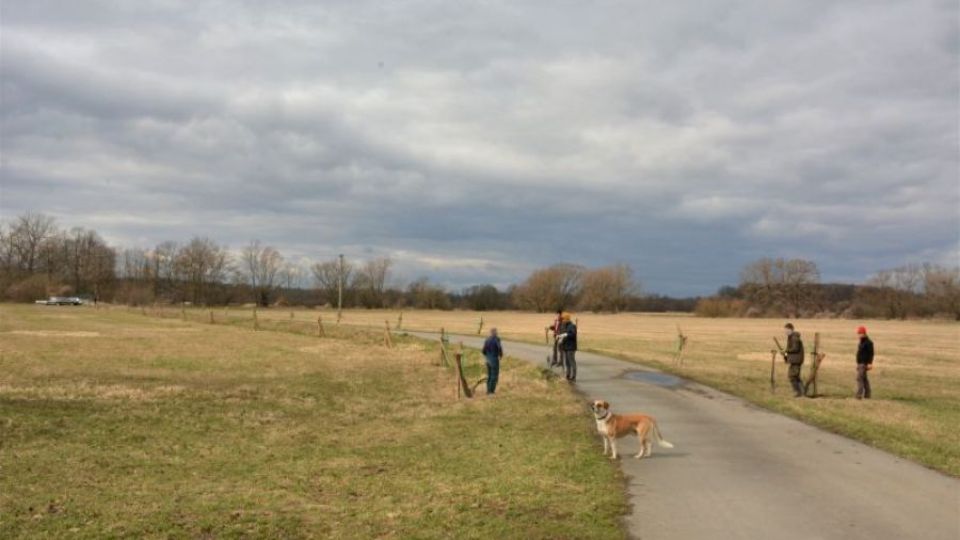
(793, 355)
(492, 353)
(864, 363)
(568, 346)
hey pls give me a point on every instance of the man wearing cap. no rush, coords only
(793, 356)
(864, 363)
(568, 346)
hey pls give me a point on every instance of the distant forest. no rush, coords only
(40, 259)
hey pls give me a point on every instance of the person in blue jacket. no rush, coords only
(493, 353)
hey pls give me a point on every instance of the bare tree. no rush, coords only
(199, 264)
(261, 266)
(552, 288)
(780, 285)
(942, 288)
(607, 288)
(371, 281)
(326, 276)
(28, 235)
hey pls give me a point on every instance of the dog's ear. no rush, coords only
(604, 404)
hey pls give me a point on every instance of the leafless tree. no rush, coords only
(786, 286)
(28, 235)
(607, 288)
(548, 289)
(326, 276)
(199, 264)
(261, 266)
(942, 287)
(371, 281)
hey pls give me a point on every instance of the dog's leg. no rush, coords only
(613, 444)
(647, 448)
(606, 445)
(643, 444)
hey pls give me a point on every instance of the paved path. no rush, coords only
(739, 471)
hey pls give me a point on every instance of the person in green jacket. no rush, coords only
(793, 355)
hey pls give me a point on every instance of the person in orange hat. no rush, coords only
(864, 363)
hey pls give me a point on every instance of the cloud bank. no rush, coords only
(473, 143)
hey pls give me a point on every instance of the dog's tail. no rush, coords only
(660, 440)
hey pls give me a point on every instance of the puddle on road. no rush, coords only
(659, 379)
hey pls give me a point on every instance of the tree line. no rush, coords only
(791, 288)
(38, 258)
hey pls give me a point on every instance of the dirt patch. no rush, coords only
(54, 333)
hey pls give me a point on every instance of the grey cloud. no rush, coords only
(683, 139)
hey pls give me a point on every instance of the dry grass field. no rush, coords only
(916, 407)
(116, 424)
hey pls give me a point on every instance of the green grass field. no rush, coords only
(116, 424)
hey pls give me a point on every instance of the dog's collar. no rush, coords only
(604, 417)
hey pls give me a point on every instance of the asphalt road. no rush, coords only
(738, 471)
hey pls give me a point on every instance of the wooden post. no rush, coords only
(462, 385)
(815, 368)
(387, 340)
(681, 344)
(546, 335)
(773, 369)
(183, 310)
(443, 348)
(320, 331)
(480, 327)
(211, 316)
(256, 322)
(400, 321)
(339, 316)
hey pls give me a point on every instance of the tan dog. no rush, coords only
(613, 426)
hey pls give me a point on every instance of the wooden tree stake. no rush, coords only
(773, 371)
(387, 339)
(480, 327)
(320, 330)
(681, 344)
(400, 321)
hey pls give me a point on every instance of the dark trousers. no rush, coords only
(570, 364)
(556, 354)
(794, 374)
(863, 383)
(493, 375)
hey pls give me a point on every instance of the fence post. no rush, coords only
(256, 322)
(211, 316)
(387, 340)
(320, 332)
(461, 380)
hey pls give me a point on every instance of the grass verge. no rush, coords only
(117, 425)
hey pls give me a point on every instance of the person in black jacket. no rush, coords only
(864, 363)
(794, 357)
(568, 346)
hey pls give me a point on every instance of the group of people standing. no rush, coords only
(564, 344)
(564, 350)
(793, 356)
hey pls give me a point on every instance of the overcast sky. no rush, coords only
(474, 142)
